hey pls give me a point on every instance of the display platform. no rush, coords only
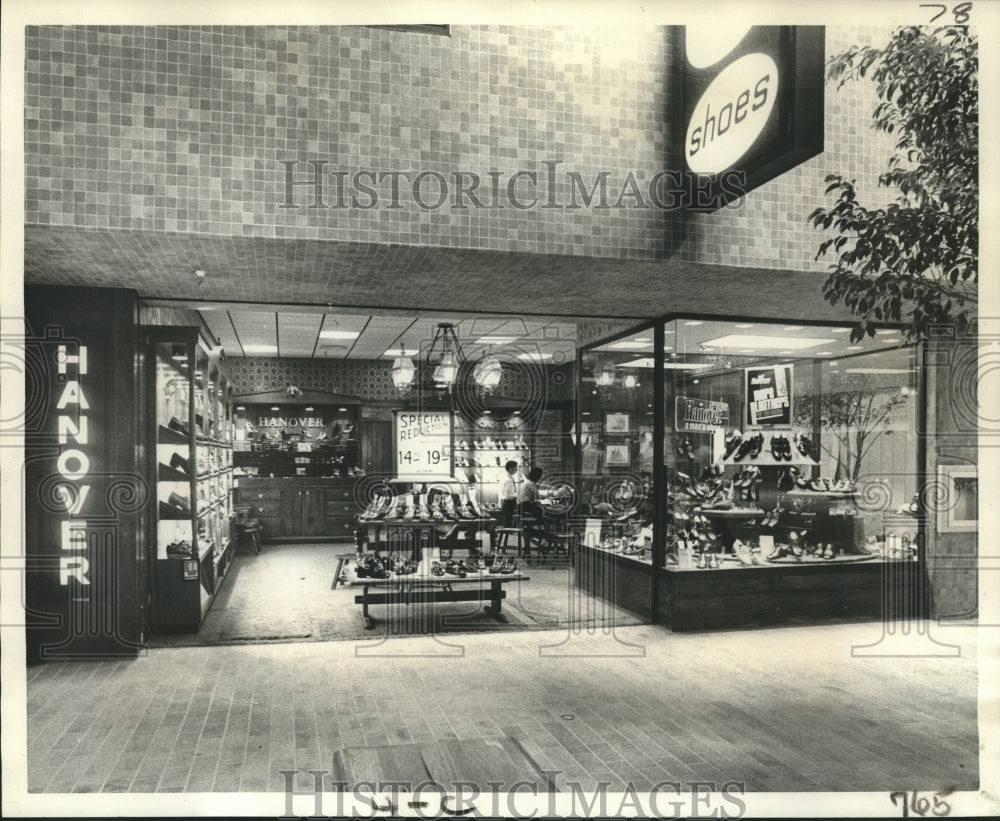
(424, 588)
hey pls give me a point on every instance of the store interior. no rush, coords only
(309, 433)
(337, 450)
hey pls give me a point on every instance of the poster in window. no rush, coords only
(769, 396)
(645, 447)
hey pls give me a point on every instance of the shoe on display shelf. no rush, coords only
(180, 550)
(408, 568)
(780, 551)
(742, 553)
(798, 479)
(423, 514)
(178, 426)
(392, 510)
(744, 449)
(373, 506)
(409, 512)
(437, 514)
(804, 445)
(455, 569)
(733, 441)
(474, 507)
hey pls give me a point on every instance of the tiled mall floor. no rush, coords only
(780, 710)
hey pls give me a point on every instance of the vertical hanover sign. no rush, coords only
(83, 492)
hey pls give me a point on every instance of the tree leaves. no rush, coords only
(918, 256)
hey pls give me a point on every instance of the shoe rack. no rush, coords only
(192, 433)
(483, 452)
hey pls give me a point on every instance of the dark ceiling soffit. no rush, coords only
(444, 31)
(312, 397)
(51, 258)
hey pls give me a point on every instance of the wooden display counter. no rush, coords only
(623, 580)
(302, 507)
(732, 598)
(735, 597)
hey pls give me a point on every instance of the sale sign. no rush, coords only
(423, 443)
(769, 396)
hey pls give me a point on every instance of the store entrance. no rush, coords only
(392, 474)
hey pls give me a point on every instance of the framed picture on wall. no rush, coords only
(960, 513)
(617, 456)
(617, 422)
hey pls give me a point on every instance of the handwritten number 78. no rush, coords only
(961, 11)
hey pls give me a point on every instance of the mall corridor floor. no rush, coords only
(780, 710)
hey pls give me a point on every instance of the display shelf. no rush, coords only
(189, 395)
(766, 460)
(203, 476)
(169, 436)
(733, 513)
(820, 494)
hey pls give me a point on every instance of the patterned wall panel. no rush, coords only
(372, 380)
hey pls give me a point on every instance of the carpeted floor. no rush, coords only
(284, 594)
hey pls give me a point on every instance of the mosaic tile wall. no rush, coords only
(185, 128)
(372, 380)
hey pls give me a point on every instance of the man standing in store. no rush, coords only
(510, 493)
(528, 495)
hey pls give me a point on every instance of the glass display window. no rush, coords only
(615, 438)
(787, 444)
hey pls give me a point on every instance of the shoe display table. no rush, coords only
(416, 534)
(425, 588)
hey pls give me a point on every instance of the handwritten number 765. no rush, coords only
(921, 804)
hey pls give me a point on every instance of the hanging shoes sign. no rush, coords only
(752, 105)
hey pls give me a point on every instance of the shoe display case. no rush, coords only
(776, 451)
(192, 425)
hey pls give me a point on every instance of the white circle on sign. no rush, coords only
(706, 45)
(731, 114)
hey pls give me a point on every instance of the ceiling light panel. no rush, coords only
(256, 330)
(297, 334)
(381, 333)
(760, 342)
(220, 328)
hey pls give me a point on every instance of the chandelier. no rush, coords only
(403, 371)
(445, 356)
(605, 374)
(488, 372)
